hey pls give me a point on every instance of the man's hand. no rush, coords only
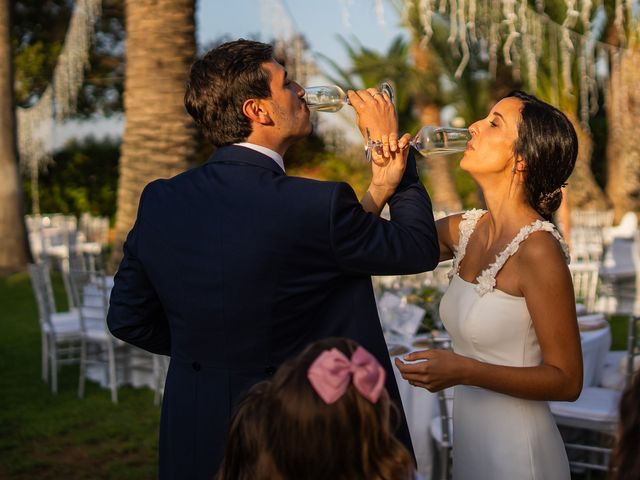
(376, 118)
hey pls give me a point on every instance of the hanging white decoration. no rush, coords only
(523, 33)
(425, 13)
(35, 124)
(380, 12)
(462, 36)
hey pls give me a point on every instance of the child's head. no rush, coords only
(285, 430)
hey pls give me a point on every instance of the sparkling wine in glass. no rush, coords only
(325, 98)
(440, 140)
(331, 98)
(433, 141)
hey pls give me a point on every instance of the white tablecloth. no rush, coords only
(595, 345)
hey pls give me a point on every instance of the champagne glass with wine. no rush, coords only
(331, 98)
(432, 140)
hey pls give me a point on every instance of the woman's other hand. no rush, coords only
(437, 370)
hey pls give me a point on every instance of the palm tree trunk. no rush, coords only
(584, 192)
(14, 249)
(159, 136)
(623, 146)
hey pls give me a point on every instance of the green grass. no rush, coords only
(618, 332)
(48, 436)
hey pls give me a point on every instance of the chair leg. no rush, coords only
(445, 470)
(156, 379)
(54, 366)
(83, 368)
(45, 358)
(112, 374)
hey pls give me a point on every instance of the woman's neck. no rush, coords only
(508, 211)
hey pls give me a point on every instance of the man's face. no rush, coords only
(288, 110)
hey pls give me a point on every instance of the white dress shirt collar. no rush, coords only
(275, 156)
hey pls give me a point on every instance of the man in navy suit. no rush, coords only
(233, 267)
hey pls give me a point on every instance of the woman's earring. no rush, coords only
(513, 169)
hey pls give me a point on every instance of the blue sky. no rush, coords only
(321, 21)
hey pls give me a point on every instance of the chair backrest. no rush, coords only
(42, 291)
(587, 244)
(633, 348)
(95, 229)
(592, 218)
(91, 295)
(585, 283)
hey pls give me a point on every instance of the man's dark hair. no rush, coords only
(221, 82)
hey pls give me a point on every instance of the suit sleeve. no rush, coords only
(135, 312)
(366, 244)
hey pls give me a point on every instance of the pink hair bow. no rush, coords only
(331, 372)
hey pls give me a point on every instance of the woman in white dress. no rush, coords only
(509, 307)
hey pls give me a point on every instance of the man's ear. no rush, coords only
(255, 110)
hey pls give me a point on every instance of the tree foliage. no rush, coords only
(38, 33)
(82, 178)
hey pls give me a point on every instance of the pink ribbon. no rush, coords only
(331, 372)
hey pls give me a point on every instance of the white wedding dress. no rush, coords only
(497, 436)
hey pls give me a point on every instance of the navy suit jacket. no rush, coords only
(233, 267)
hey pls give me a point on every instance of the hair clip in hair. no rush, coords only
(332, 371)
(546, 196)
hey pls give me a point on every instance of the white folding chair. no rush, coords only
(160, 368)
(620, 365)
(585, 283)
(61, 332)
(593, 420)
(91, 294)
(633, 348)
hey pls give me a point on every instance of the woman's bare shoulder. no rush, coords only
(541, 251)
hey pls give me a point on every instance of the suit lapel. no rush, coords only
(246, 156)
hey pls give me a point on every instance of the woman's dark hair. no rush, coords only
(284, 431)
(548, 144)
(221, 82)
(625, 460)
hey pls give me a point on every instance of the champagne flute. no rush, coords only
(331, 98)
(432, 140)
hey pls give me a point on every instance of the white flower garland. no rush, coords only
(487, 279)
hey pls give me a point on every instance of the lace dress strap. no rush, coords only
(467, 226)
(487, 279)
